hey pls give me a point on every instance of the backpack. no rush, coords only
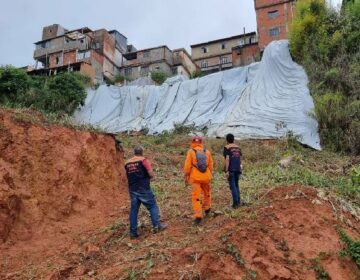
(201, 160)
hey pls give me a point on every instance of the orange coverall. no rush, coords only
(199, 181)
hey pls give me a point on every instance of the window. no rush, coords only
(274, 31)
(144, 70)
(146, 54)
(241, 42)
(223, 46)
(58, 60)
(128, 71)
(224, 60)
(83, 55)
(96, 45)
(204, 64)
(82, 41)
(273, 14)
(43, 45)
(204, 50)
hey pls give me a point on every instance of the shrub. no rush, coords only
(159, 77)
(63, 93)
(180, 128)
(14, 83)
(327, 44)
(60, 94)
(120, 79)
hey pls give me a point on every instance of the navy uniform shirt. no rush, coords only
(234, 153)
(137, 174)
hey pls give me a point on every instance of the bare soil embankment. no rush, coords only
(55, 183)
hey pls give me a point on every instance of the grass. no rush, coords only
(23, 116)
(320, 272)
(320, 169)
(352, 247)
(233, 251)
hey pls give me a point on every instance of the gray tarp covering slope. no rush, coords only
(259, 101)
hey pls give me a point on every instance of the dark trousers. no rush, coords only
(148, 199)
(234, 187)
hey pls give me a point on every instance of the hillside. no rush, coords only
(64, 209)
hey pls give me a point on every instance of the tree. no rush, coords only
(327, 44)
(14, 83)
(63, 93)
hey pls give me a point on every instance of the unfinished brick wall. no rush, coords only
(88, 70)
(69, 57)
(266, 22)
(245, 55)
(55, 59)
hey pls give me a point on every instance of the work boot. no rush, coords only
(197, 221)
(159, 228)
(134, 236)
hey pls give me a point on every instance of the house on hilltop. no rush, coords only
(225, 53)
(97, 54)
(141, 63)
(273, 20)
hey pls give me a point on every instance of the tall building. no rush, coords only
(225, 53)
(97, 54)
(273, 20)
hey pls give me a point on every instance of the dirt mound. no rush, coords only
(55, 183)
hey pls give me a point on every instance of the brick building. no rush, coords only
(273, 20)
(97, 54)
(140, 63)
(225, 53)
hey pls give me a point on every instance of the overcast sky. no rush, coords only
(146, 23)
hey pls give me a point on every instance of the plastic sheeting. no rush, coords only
(260, 101)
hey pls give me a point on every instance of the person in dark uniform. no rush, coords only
(139, 173)
(232, 168)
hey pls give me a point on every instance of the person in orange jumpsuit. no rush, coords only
(198, 169)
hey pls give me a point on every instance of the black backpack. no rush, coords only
(201, 160)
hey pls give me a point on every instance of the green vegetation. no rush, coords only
(327, 44)
(355, 176)
(352, 247)
(180, 128)
(233, 251)
(60, 94)
(326, 169)
(159, 77)
(320, 272)
(120, 79)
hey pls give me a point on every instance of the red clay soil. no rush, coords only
(282, 239)
(55, 183)
(291, 236)
(60, 187)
